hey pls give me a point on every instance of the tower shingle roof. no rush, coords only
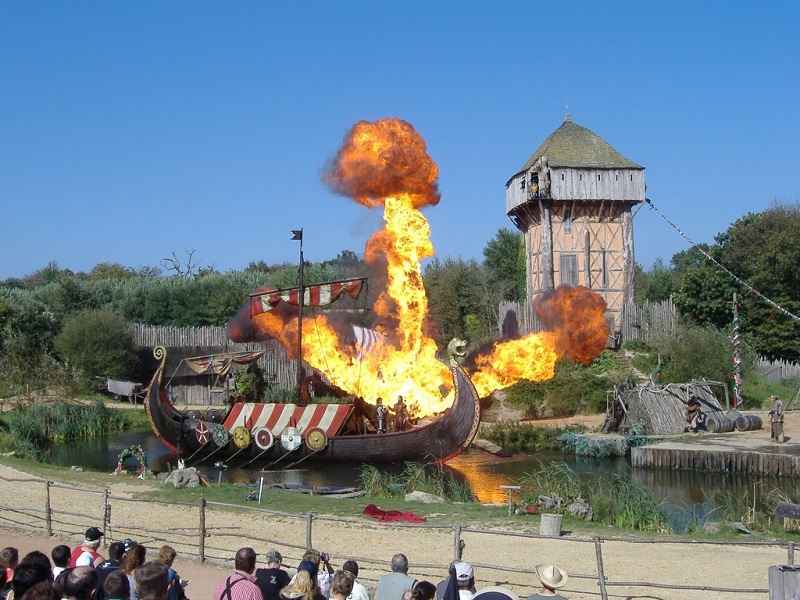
(572, 145)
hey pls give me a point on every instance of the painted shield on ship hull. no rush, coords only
(263, 438)
(291, 438)
(202, 433)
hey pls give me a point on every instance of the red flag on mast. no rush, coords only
(297, 234)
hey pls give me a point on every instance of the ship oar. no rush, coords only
(255, 457)
(195, 452)
(277, 460)
(297, 462)
(235, 453)
(212, 453)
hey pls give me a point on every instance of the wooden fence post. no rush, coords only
(201, 546)
(457, 545)
(791, 553)
(48, 516)
(309, 521)
(106, 511)
(600, 571)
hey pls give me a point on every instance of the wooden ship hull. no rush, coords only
(279, 435)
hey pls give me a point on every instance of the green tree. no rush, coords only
(655, 285)
(463, 300)
(501, 256)
(107, 270)
(98, 343)
(762, 250)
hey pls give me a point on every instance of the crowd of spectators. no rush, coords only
(83, 573)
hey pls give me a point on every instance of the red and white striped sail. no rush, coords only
(314, 295)
(277, 417)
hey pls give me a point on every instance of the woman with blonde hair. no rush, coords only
(135, 558)
(304, 586)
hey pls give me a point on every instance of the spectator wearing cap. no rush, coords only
(242, 584)
(304, 584)
(552, 579)
(466, 580)
(360, 591)
(86, 554)
(116, 558)
(393, 585)
(272, 579)
(60, 555)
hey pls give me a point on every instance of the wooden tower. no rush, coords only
(572, 201)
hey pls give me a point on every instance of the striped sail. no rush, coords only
(277, 417)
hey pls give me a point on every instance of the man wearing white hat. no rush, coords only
(552, 578)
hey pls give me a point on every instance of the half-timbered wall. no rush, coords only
(588, 249)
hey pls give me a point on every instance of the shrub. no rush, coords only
(98, 343)
(573, 389)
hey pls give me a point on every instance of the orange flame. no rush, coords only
(385, 163)
(575, 317)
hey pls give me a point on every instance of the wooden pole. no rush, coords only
(48, 515)
(201, 546)
(791, 553)
(457, 543)
(601, 576)
(309, 522)
(300, 299)
(106, 512)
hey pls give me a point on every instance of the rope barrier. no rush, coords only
(735, 277)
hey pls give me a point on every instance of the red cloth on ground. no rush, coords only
(387, 516)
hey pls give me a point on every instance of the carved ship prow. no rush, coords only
(259, 433)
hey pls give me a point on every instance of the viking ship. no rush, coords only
(281, 435)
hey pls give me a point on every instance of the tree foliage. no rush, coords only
(98, 343)
(463, 299)
(501, 256)
(763, 250)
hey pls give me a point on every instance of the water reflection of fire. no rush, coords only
(385, 163)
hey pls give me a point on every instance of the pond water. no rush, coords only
(483, 472)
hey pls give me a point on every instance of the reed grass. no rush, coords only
(616, 501)
(35, 428)
(419, 477)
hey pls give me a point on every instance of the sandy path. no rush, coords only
(742, 567)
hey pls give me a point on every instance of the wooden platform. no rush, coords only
(736, 452)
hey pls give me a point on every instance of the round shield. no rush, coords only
(213, 416)
(263, 438)
(316, 439)
(290, 438)
(202, 433)
(241, 437)
(219, 434)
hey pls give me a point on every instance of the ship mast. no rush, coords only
(297, 234)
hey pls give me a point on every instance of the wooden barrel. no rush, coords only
(719, 424)
(749, 423)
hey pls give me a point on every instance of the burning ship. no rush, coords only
(381, 164)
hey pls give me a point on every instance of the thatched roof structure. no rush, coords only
(661, 410)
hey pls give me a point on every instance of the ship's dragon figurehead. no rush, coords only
(456, 352)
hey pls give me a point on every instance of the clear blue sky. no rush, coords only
(132, 130)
